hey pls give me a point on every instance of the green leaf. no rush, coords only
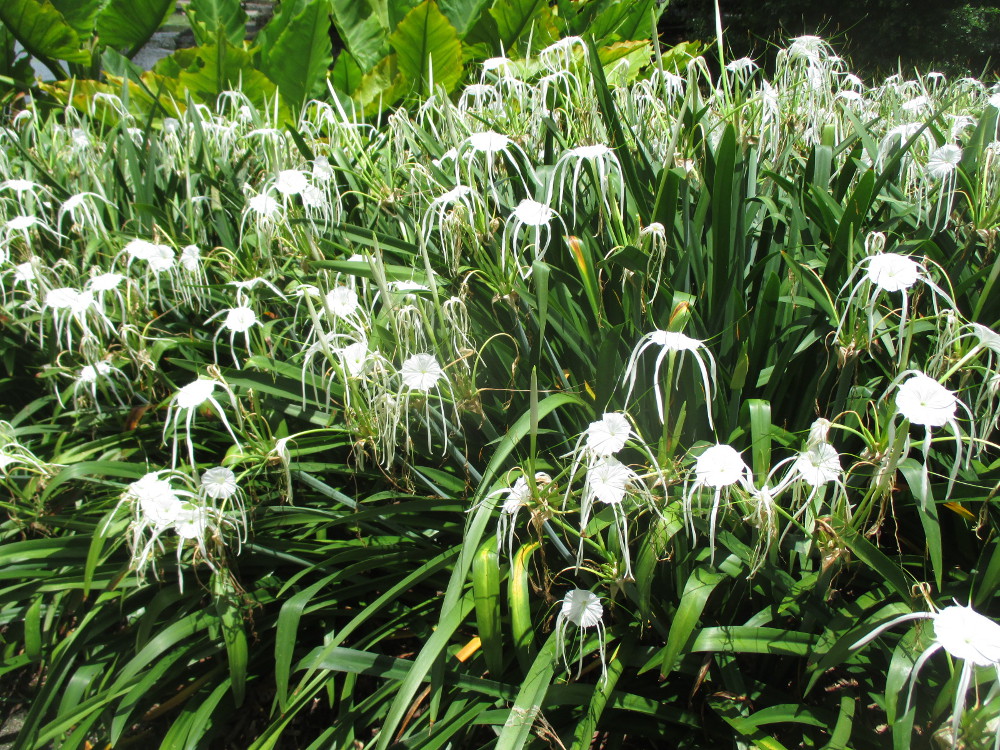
(517, 19)
(463, 14)
(528, 704)
(700, 584)
(43, 32)
(519, 595)
(363, 32)
(207, 17)
(227, 606)
(427, 48)
(346, 75)
(80, 14)
(486, 590)
(299, 57)
(128, 24)
(916, 477)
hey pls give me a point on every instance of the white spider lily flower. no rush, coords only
(321, 169)
(720, 468)
(528, 217)
(608, 435)
(69, 306)
(100, 376)
(342, 302)
(490, 146)
(263, 209)
(354, 358)
(888, 273)
(963, 634)
(515, 497)
(419, 375)
(156, 505)
(186, 402)
(923, 401)
(219, 485)
(190, 259)
(291, 182)
(421, 372)
(239, 319)
(489, 142)
(609, 481)
(581, 609)
(892, 272)
(818, 464)
(671, 344)
(610, 179)
(943, 161)
(83, 214)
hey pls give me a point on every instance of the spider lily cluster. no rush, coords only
(359, 294)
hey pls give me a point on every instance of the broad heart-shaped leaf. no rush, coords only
(519, 19)
(79, 14)
(42, 31)
(128, 24)
(427, 48)
(463, 14)
(346, 74)
(224, 67)
(362, 31)
(297, 61)
(208, 16)
(379, 87)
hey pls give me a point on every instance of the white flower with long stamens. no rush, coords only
(291, 182)
(671, 344)
(609, 481)
(943, 161)
(82, 213)
(419, 375)
(889, 273)
(610, 180)
(99, 376)
(721, 469)
(923, 401)
(190, 259)
(187, 401)
(608, 435)
(491, 146)
(238, 319)
(964, 634)
(583, 610)
(515, 497)
(529, 216)
(219, 484)
(818, 465)
(892, 272)
(421, 372)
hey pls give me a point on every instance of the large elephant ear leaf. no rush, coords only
(208, 16)
(520, 19)
(80, 14)
(463, 14)
(361, 30)
(299, 57)
(128, 24)
(428, 51)
(43, 32)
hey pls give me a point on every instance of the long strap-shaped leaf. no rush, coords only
(470, 545)
(530, 698)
